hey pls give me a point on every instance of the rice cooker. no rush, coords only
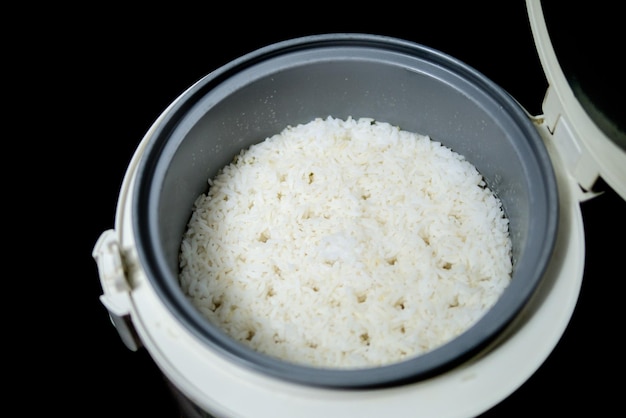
(541, 167)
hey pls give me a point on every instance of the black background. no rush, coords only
(116, 70)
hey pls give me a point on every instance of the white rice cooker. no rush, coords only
(208, 383)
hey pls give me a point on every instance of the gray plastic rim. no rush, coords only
(157, 241)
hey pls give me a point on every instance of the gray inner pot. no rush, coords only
(391, 80)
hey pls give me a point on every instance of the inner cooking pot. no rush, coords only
(344, 75)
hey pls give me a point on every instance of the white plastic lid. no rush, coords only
(587, 150)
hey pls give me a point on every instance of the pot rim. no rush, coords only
(426, 365)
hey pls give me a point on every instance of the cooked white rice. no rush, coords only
(346, 243)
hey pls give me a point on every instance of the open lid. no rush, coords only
(581, 106)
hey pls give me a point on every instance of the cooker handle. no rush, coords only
(116, 291)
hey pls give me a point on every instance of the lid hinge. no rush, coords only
(116, 289)
(576, 160)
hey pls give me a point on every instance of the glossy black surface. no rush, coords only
(589, 44)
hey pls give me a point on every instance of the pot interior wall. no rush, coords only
(421, 91)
